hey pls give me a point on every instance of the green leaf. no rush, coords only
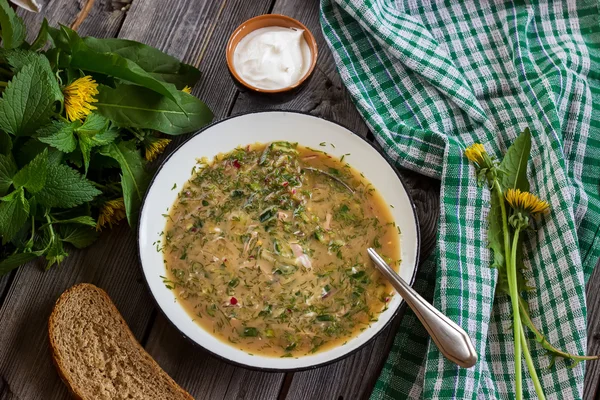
(56, 253)
(8, 169)
(134, 106)
(16, 260)
(75, 158)
(42, 37)
(134, 178)
(14, 210)
(94, 124)
(60, 135)
(106, 137)
(13, 29)
(495, 233)
(33, 175)
(87, 59)
(28, 100)
(85, 146)
(5, 143)
(90, 135)
(65, 188)
(31, 148)
(82, 220)
(514, 163)
(58, 38)
(79, 236)
(158, 64)
(18, 58)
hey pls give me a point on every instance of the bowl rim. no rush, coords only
(401, 307)
(230, 50)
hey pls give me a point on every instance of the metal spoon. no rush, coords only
(454, 343)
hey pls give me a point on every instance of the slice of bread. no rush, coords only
(96, 354)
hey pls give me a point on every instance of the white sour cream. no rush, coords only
(272, 58)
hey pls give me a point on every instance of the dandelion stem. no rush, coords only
(534, 377)
(512, 286)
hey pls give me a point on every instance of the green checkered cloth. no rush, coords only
(429, 80)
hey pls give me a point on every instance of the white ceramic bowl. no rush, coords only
(265, 127)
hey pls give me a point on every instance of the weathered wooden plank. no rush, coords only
(592, 375)
(104, 19)
(26, 369)
(197, 32)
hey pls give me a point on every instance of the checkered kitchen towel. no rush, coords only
(430, 78)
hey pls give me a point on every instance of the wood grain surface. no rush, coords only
(197, 31)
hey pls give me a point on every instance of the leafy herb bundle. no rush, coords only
(76, 114)
(512, 207)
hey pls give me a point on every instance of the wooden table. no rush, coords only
(197, 31)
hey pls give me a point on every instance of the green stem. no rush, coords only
(534, 377)
(29, 243)
(539, 336)
(3, 84)
(512, 286)
(513, 277)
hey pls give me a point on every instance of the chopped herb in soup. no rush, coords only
(266, 247)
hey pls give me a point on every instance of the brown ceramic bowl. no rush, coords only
(263, 21)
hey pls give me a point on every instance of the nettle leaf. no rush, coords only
(93, 133)
(106, 137)
(8, 169)
(33, 175)
(93, 124)
(75, 158)
(31, 148)
(134, 178)
(18, 58)
(112, 64)
(65, 188)
(14, 210)
(158, 64)
(85, 145)
(60, 135)
(13, 29)
(56, 253)
(5, 144)
(78, 235)
(28, 101)
(514, 163)
(134, 106)
(16, 260)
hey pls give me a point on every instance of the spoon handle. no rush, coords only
(454, 343)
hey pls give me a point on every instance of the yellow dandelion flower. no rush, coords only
(79, 96)
(112, 212)
(154, 147)
(476, 153)
(187, 89)
(526, 202)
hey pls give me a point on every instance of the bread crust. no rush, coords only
(57, 358)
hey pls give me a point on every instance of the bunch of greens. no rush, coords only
(512, 207)
(79, 119)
